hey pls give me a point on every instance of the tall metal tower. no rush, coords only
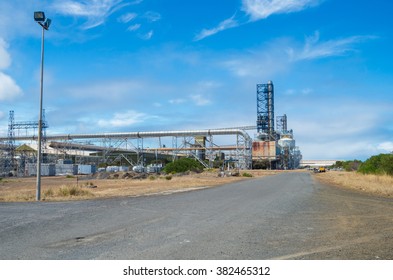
(24, 125)
(282, 124)
(265, 111)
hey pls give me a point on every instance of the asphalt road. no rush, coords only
(287, 216)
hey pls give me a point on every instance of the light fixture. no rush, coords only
(39, 16)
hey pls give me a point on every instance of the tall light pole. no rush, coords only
(40, 18)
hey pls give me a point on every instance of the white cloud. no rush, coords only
(261, 9)
(126, 18)
(226, 24)
(124, 119)
(8, 88)
(95, 11)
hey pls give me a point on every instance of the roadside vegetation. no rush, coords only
(374, 176)
(379, 165)
(349, 165)
(183, 165)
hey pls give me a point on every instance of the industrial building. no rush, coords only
(273, 148)
(83, 153)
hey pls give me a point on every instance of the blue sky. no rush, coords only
(145, 65)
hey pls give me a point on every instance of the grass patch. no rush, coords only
(66, 191)
(48, 193)
(168, 177)
(245, 174)
(374, 184)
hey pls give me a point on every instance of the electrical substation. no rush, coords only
(87, 153)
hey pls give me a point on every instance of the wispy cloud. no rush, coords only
(152, 16)
(126, 18)
(147, 36)
(134, 27)
(177, 101)
(254, 10)
(226, 24)
(281, 54)
(314, 48)
(200, 100)
(275, 60)
(128, 118)
(96, 12)
(261, 9)
(302, 92)
(149, 17)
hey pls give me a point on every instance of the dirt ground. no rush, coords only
(114, 185)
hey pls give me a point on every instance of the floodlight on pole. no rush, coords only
(40, 18)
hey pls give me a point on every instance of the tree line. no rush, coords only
(381, 164)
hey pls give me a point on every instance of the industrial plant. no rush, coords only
(274, 148)
(271, 148)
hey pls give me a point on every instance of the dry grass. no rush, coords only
(73, 188)
(381, 185)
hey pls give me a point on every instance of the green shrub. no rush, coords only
(381, 164)
(183, 165)
(349, 165)
(168, 177)
(245, 174)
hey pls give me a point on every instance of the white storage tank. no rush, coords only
(287, 143)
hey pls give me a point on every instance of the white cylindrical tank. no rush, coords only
(287, 143)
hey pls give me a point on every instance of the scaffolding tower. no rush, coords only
(9, 161)
(265, 111)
